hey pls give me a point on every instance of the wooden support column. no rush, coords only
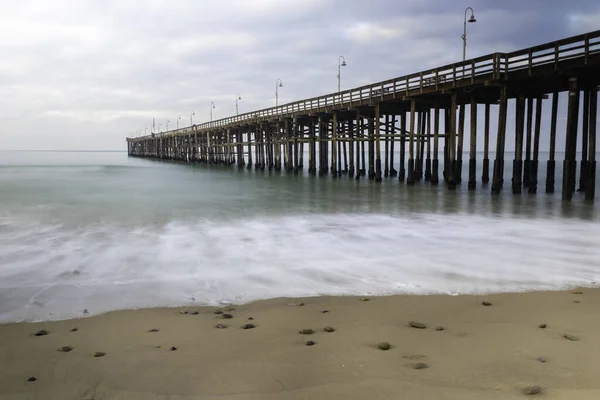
(428, 143)
(526, 166)
(570, 163)
(334, 134)
(418, 136)
(590, 183)
(447, 142)
(346, 138)
(301, 151)
(377, 122)
(386, 162)
(249, 133)
(472, 183)
(435, 178)
(402, 172)
(358, 143)
(312, 146)
(363, 170)
(351, 148)
(392, 130)
(371, 137)
(584, 139)
(485, 175)
(518, 161)
(410, 179)
(551, 165)
(296, 131)
(459, 144)
(339, 139)
(422, 140)
(498, 172)
(534, 163)
(452, 144)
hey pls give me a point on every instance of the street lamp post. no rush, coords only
(341, 63)
(192, 118)
(159, 127)
(278, 84)
(178, 118)
(212, 105)
(237, 98)
(464, 35)
(168, 125)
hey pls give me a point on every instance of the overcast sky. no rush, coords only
(77, 74)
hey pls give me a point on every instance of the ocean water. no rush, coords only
(99, 231)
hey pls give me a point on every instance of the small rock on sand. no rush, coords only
(542, 359)
(306, 331)
(195, 313)
(229, 308)
(486, 303)
(221, 326)
(152, 330)
(439, 328)
(384, 346)
(531, 390)
(74, 330)
(576, 301)
(418, 325)
(250, 319)
(173, 348)
(65, 349)
(43, 332)
(364, 299)
(300, 304)
(420, 366)
(99, 354)
(570, 337)
(310, 343)
(31, 379)
(226, 316)
(248, 326)
(324, 311)
(218, 312)
(329, 329)
(542, 326)
(183, 312)
(577, 292)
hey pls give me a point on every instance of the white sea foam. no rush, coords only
(55, 271)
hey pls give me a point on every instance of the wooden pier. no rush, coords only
(407, 114)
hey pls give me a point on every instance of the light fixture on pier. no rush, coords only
(237, 98)
(168, 125)
(278, 84)
(178, 118)
(212, 106)
(341, 63)
(192, 118)
(464, 35)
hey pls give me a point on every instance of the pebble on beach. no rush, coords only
(310, 343)
(384, 346)
(416, 324)
(542, 359)
(300, 304)
(420, 366)
(195, 313)
(173, 348)
(218, 312)
(324, 311)
(221, 326)
(31, 379)
(43, 332)
(570, 337)
(74, 330)
(542, 326)
(248, 326)
(439, 328)
(486, 303)
(577, 292)
(531, 390)
(226, 316)
(329, 329)
(99, 354)
(306, 331)
(152, 330)
(65, 349)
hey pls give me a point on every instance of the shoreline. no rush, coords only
(482, 352)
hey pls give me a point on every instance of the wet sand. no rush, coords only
(483, 352)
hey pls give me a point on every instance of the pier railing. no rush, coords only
(495, 66)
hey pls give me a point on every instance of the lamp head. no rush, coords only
(344, 63)
(239, 97)
(472, 19)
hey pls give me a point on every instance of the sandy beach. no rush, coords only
(483, 351)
